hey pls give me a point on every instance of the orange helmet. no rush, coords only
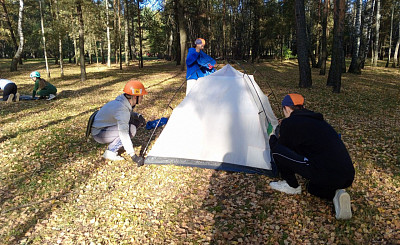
(134, 87)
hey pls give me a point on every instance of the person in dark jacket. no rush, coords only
(307, 145)
(198, 63)
(9, 90)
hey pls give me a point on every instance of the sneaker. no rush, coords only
(51, 96)
(342, 204)
(110, 155)
(283, 186)
(10, 98)
(16, 97)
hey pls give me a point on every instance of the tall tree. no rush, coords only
(60, 42)
(354, 65)
(108, 35)
(17, 56)
(396, 50)
(140, 37)
(182, 32)
(44, 39)
(9, 25)
(368, 31)
(335, 71)
(377, 28)
(324, 49)
(302, 46)
(81, 39)
(390, 36)
(126, 26)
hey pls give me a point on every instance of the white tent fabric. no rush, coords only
(223, 123)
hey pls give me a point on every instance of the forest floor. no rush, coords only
(55, 188)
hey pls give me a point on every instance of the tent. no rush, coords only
(223, 123)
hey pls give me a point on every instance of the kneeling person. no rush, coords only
(310, 147)
(42, 87)
(116, 123)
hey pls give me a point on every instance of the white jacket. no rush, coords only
(116, 112)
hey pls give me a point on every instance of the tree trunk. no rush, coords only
(119, 34)
(9, 25)
(370, 17)
(390, 38)
(133, 38)
(126, 23)
(44, 39)
(17, 56)
(224, 29)
(182, 33)
(377, 27)
(324, 51)
(140, 38)
(355, 65)
(302, 46)
(81, 39)
(335, 71)
(108, 36)
(396, 50)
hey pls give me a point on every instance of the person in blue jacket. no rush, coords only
(198, 63)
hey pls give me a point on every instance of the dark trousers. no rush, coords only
(10, 88)
(290, 163)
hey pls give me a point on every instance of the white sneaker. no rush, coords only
(110, 155)
(16, 97)
(10, 98)
(51, 96)
(342, 204)
(283, 186)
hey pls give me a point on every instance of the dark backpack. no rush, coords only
(90, 123)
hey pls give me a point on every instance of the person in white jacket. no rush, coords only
(116, 123)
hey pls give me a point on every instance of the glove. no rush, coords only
(138, 160)
(210, 66)
(137, 120)
(273, 141)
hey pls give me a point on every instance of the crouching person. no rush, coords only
(309, 146)
(116, 123)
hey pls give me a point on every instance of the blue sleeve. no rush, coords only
(204, 60)
(191, 56)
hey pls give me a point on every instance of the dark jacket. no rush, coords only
(309, 135)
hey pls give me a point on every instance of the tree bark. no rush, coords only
(9, 25)
(119, 34)
(324, 49)
(81, 39)
(44, 39)
(302, 46)
(126, 23)
(390, 37)
(370, 17)
(377, 28)
(17, 56)
(140, 38)
(355, 60)
(60, 43)
(396, 50)
(108, 36)
(335, 71)
(182, 33)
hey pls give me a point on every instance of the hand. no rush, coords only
(138, 120)
(138, 160)
(210, 66)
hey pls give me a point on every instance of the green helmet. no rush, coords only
(35, 74)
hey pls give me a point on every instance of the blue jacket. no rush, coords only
(197, 64)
